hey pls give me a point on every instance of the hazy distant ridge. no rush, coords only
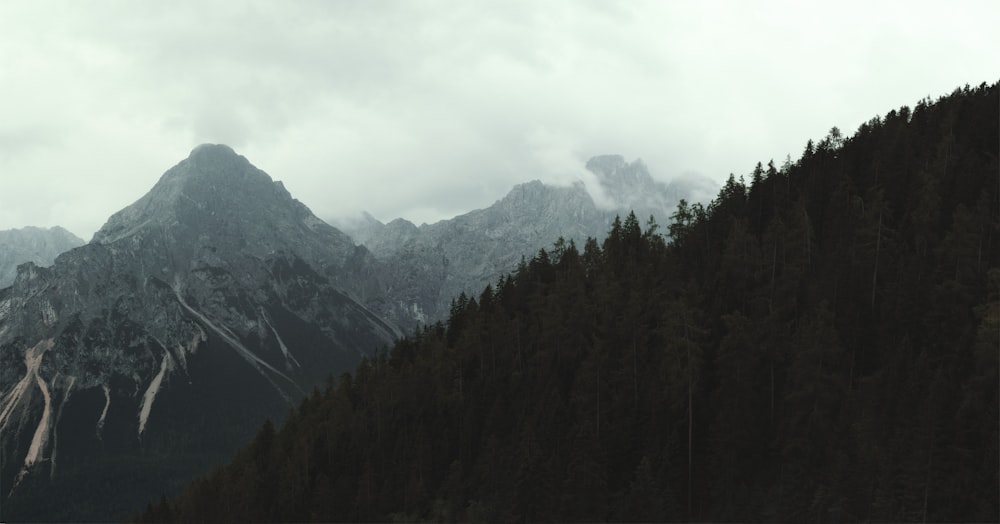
(423, 268)
(32, 244)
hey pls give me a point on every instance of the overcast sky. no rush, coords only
(428, 109)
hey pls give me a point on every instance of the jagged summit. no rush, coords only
(32, 244)
(630, 187)
(210, 178)
(614, 172)
(603, 164)
(431, 264)
(210, 303)
(214, 199)
(220, 160)
(216, 161)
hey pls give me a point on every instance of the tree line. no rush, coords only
(819, 342)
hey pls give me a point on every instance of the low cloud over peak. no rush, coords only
(442, 108)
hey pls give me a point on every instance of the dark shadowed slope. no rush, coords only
(151, 353)
(818, 344)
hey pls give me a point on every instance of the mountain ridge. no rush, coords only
(38, 245)
(216, 276)
(217, 289)
(816, 344)
(430, 265)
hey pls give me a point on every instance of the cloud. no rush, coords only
(560, 159)
(429, 109)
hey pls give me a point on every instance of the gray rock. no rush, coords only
(217, 300)
(422, 269)
(32, 244)
(212, 302)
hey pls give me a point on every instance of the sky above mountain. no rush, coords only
(427, 109)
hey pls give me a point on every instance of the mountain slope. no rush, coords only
(819, 344)
(195, 313)
(32, 244)
(426, 267)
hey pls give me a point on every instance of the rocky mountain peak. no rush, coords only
(629, 185)
(212, 178)
(210, 303)
(427, 266)
(216, 199)
(213, 153)
(616, 174)
(606, 164)
(211, 166)
(32, 244)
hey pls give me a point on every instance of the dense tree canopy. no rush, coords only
(819, 345)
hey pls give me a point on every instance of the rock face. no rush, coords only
(424, 268)
(32, 244)
(143, 357)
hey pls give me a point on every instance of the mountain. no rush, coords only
(211, 303)
(32, 244)
(818, 344)
(216, 301)
(426, 267)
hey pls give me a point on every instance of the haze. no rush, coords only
(428, 109)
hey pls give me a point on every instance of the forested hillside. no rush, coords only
(818, 343)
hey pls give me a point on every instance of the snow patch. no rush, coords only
(166, 365)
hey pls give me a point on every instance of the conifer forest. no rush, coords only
(818, 343)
